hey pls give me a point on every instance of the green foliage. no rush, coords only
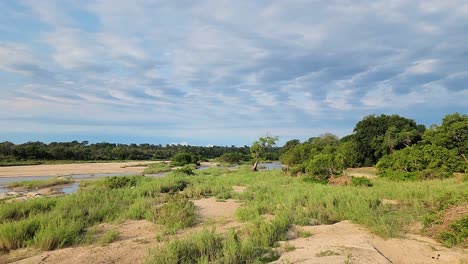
(116, 182)
(33, 153)
(451, 134)
(58, 233)
(187, 170)
(262, 146)
(289, 145)
(233, 157)
(18, 211)
(176, 214)
(361, 181)
(184, 158)
(458, 233)
(421, 162)
(17, 234)
(109, 237)
(323, 166)
(376, 136)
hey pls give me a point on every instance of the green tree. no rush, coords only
(260, 147)
(451, 134)
(370, 135)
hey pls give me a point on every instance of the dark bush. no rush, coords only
(116, 182)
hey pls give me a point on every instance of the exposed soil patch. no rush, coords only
(70, 169)
(345, 242)
(209, 208)
(366, 172)
(341, 180)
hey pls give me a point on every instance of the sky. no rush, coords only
(225, 72)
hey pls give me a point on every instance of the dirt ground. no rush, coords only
(135, 240)
(345, 242)
(70, 169)
(366, 172)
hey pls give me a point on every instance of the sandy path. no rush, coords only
(70, 169)
(345, 242)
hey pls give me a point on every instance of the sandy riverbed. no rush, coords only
(71, 169)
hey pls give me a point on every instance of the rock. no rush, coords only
(3, 196)
(46, 191)
(15, 194)
(33, 194)
(18, 199)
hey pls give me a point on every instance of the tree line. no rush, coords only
(399, 147)
(84, 151)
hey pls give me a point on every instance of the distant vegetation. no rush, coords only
(33, 153)
(400, 149)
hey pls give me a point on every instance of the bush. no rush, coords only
(232, 157)
(187, 170)
(458, 233)
(361, 181)
(323, 166)
(420, 162)
(184, 158)
(116, 182)
(176, 214)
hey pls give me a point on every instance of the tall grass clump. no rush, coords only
(58, 233)
(176, 214)
(18, 234)
(17, 211)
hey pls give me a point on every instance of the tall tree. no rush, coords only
(372, 140)
(260, 147)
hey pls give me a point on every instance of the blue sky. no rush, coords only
(225, 72)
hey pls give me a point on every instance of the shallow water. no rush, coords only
(68, 188)
(75, 186)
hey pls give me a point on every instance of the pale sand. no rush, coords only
(71, 169)
(345, 242)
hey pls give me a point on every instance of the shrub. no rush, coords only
(176, 214)
(232, 157)
(187, 170)
(361, 181)
(421, 162)
(322, 166)
(458, 233)
(116, 182)
(184, 158)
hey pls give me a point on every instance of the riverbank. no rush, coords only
(134, 167)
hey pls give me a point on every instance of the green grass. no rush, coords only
(109, 237)
(40, 183)
(157, 168)
(51, 223)
(457, 234)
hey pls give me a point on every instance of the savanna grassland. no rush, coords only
(409, 204)
(272, 204)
